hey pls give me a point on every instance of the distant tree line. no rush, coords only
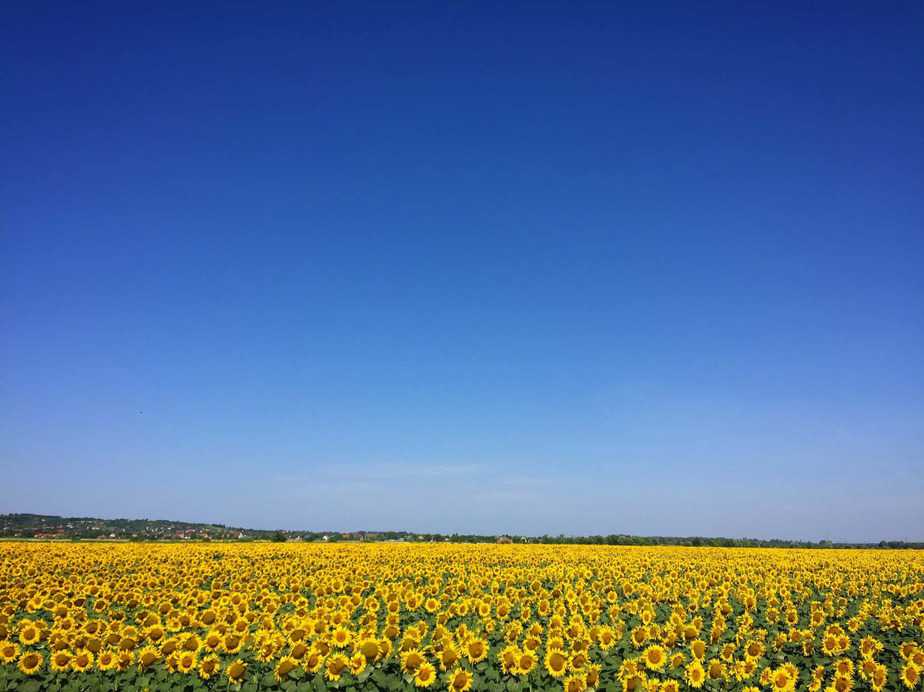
(77, 528)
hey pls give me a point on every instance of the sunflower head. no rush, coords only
(31, 662)
(425, 675)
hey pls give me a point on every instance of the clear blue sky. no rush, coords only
(551, 267)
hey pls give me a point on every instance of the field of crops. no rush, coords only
(502, 618)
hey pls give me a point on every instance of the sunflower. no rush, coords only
(154, 633)
(556, 662)
(82, 661)
(698, 649)
(186, 662)
(639, 637)
(606, 638)
(298, 650)
(357, 663)
(459, 680)
(285, 666)
(341, 637)
(916, 658)
(753, 649)
(125, 659)
(212, 640)
(425, 675)
(266, 650)
(843, 667)
(878, 678)
(694, 674)
(335, 666)
(231, 643)
(29, 634)
(31, 662)
(313, 660)
(236, 671)
(592, 675)
(508, 658)
(209, 666)
(842, 684)
(190, 643)
(411, 660)
(9, 651)
(910, 676)
(870, 646)
(107, 660)
(147, 657)
(727, 653)
(781, 680)
(525, 662)
(575, 683)
(369, 647)
(655, 657)
(60, 661)
(578, 660)
(169, 646)
(476, 650)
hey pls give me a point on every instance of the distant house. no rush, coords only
(49, 534)
(504, 539)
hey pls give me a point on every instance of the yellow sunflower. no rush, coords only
(236, 671)
(357, 663)
(209, 666)
(31, 662)
(29, 634)
(655, 657)
(9, 651)
(425, 675)
(459, 680)
(476, 650)
(695, 674)
(910, 676)
(556, 663)
(285, 666)
(335, 666)
(82, 661)
(147, 657)
(411, 660)
(107, 660)
(60, 661)
(525, 662)
(575, 683)
(186, 662)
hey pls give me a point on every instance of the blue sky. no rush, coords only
(540, 268)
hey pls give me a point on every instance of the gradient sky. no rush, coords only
(535, 268)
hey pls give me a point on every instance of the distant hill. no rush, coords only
(44, 526)
(51, 526)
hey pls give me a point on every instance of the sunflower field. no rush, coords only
(501, 618)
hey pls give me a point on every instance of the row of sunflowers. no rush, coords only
(501, 618)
